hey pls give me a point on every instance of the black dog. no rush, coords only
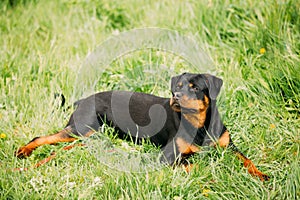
(179, 125)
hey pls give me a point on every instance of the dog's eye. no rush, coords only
(195, 89)
(179, 86)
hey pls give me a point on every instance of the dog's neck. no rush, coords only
(210, 129)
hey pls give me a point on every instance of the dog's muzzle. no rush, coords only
(174, 101)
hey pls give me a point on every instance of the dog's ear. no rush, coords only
(214, 85)
(174, 80)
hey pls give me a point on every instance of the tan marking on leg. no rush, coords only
(189, 167)
(224, 139)
(186, 148)
(74, 145)
(44, 161)
(88, 134)
(252, 168)
(61, 136)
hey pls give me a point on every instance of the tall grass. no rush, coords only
(255, 46)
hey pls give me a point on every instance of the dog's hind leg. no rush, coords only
(64, 135)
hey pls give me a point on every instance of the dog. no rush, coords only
(179, 125)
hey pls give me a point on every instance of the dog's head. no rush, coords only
(192, 93)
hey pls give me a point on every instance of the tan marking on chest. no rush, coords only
(196, 119)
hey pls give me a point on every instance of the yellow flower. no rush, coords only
(205, 192)
(272, 126)
(262, 51)
(2, 135)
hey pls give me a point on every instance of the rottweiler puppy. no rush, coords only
(179, 125)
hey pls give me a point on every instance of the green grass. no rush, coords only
(44, 44)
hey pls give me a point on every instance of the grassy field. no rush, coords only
(255, 47)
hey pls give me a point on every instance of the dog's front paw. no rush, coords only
(264, 177)
(23, 152)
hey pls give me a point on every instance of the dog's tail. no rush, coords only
(248, 163)
(61, 99)
(60, 102)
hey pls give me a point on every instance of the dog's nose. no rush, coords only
(177, 95)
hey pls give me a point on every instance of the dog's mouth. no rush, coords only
(175, 105)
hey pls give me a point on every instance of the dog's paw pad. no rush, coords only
(23, 152)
